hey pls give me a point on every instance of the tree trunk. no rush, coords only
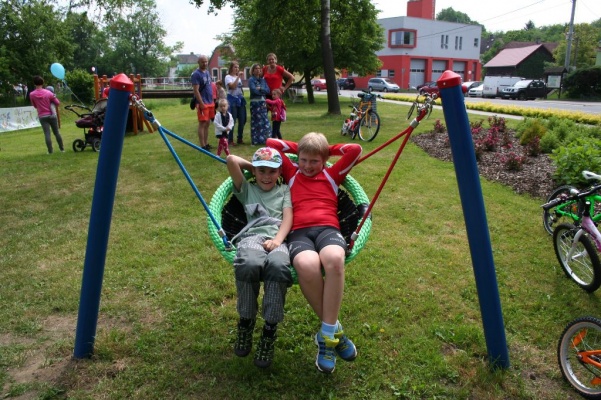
(328, 60)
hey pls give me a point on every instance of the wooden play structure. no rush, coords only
(137, 119)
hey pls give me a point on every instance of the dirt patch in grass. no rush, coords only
(535, 178)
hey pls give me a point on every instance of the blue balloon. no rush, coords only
(58, 70)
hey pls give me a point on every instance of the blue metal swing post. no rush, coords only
(100, 218)
(470, 191)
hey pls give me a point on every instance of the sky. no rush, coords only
(186, 23)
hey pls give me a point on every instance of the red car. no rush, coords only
(319, 84)
(429, 87)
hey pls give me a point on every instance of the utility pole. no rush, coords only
(570, 37)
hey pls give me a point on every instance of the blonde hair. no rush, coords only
(276, 91)
(272, 55)
(222, 102)
(315, 143)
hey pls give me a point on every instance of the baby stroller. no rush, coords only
(92, 123)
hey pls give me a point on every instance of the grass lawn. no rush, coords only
(167, 315)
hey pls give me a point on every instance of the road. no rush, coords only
(561, 105)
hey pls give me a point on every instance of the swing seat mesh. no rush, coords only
(229, 213)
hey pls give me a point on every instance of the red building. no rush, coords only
(419, 49)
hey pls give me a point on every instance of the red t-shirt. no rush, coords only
(274, 80)
(315, 199)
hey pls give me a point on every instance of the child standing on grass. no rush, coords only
(315, 240)
(223, 125)
(278, 112)
(261, 253)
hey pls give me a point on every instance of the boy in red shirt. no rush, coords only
(315, 240)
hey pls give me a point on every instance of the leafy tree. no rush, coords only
(355, 35)
(33, 37)
(89, 41)
(136, 42)
(450, 15)
(584, 46)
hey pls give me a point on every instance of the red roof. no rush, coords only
(513, 56)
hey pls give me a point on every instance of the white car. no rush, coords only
(476, 91)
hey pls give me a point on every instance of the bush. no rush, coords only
(549, 142)
(81, 84)
(513, 161)
(582, 154)
(534, 128)
(439, 127)
(584, 83)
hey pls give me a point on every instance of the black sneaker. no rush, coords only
(244, 340)
(265, 349)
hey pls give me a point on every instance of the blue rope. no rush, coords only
(163, 132)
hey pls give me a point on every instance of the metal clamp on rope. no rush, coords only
(226, 242)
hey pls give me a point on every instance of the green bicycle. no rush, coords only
(570, 211)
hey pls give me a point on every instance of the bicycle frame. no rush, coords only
(587, 356)
(570, 209)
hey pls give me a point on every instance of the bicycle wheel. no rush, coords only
(579, 355)
(553, 217)
(582, 266)
(369, 126)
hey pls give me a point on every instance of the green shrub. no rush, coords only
(562, 128)
(584, 83)
(534, 128)
(81, 84)
(577, 156)
(549, 142)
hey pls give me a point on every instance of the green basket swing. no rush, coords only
(229, 213)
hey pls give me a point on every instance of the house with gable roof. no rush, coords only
(525, 59)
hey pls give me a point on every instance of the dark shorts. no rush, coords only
(314, 238)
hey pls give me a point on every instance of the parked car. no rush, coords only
(346, 83)
(383, 85)
(494, 85)
(466, 86)
(476, 91)
(431, 88)
(528, 89)
(318, 84)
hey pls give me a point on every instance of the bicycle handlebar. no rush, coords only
(572, 197)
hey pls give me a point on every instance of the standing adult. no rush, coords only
(260, 129)
(274, 74)
(43, 99)
(205, 105)
(235, 99)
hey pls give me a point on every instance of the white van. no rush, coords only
(494, 85)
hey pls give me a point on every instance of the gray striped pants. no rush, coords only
(251, 266)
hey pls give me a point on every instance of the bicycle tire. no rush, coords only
(581, 334)
(369, 126)
(583, 267)
(550, 217)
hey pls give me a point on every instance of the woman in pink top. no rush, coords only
(274, 74)
(42, 99)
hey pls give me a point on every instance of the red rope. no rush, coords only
(407, 133)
